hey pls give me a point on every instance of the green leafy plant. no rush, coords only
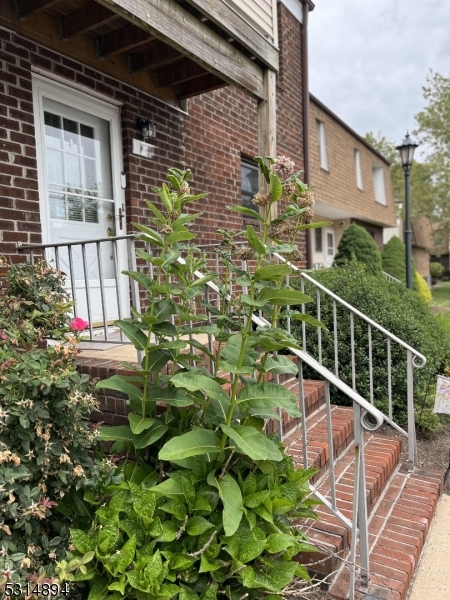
(394, 261)
(436, 270)
(357, 244)
(422, 288)
(45, 435)
(206, 504)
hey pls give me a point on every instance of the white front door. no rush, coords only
(79, 182)
(329, 246)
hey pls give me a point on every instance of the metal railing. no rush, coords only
(101, 294)
(413, 358)
(392, 279)
(366, 416)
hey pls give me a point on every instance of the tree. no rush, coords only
(423, 193)
(393, 259)
(357, 244)
(434, 130)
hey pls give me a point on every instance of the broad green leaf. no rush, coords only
(99, 589)
(162, 310)
(308, 319)
(121, 561)
(211, 592)
(272, 273)
(155, 360)
(144, 500)
(119, 433)
(246, 211)
(254, 241)
(203, 280)
(136, 336)
(183, 219)
(150, 436)
(317, 225)
(119, 384)
(175, 508)
(273, 453)
(263, 167)
(275, 187)
(195, 382)
(197, 526)
(232, 350)
(188, 594)
(251, 550)
(139, 424)
(268, 395)
(118, 586)
(231, 496)
(249, 440)
(256, 498)
(143, 279)
(80, 540)
(207, 564)
(283, 296)
(153, 236)
(279, 542)
(181, 562)
(158, 214)
(249, 301)
(170, 488)
(170, 396)
(279, 365)
(179, 236)
(193, 443)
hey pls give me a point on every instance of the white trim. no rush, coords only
(359, 177)
(65, 94)
(295, 7)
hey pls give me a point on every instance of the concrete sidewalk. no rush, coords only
(433, 574)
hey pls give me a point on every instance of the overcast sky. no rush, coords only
(369, 59)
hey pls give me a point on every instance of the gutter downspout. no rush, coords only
(305, 100)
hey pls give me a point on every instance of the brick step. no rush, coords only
(398, 528)
(382, 455)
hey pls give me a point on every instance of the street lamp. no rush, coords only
(406, 155)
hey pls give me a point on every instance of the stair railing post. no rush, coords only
(412, 448)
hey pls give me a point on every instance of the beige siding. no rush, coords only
(262, 13)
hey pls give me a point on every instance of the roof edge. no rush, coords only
(348, 128)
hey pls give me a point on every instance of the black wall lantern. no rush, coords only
(146, 127)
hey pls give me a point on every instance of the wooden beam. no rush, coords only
(85, 19)
(267, 124)
(233, 23)
(183, 70)
(25, 8)
(121, 40)
(157, 55)
(167, 21)
(201, 85)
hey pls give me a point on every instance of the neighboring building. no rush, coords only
(351, 183)
(76, 77)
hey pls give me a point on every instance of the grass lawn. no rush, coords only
(441, 296)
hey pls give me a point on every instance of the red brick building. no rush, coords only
(76, 76)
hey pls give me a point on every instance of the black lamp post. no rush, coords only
(406, 155)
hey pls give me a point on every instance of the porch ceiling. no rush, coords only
(172, 42)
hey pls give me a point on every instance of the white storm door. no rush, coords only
(79, 192)
(329, 246)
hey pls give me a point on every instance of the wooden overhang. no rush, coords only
(185, 47)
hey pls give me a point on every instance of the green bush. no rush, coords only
(422, 288)
(393, 260)
(357, 244)
(436, 270)
(398, 310)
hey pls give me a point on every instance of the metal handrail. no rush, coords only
(414, 359)
(392, 279)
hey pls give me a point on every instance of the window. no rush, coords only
(378, 184)
(249, 182)
(318, 240)
(322, 143)
(359, 180)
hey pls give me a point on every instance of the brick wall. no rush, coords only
(210, 138)
(337, 187)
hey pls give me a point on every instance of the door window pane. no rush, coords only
(318, 240)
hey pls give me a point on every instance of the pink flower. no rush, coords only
(47, 502)
(79, 324)
(3, 336)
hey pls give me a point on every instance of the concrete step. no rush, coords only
(398, 528)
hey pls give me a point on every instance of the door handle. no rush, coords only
(121, 216)
(109, 232)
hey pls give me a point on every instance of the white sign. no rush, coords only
(442, 402)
